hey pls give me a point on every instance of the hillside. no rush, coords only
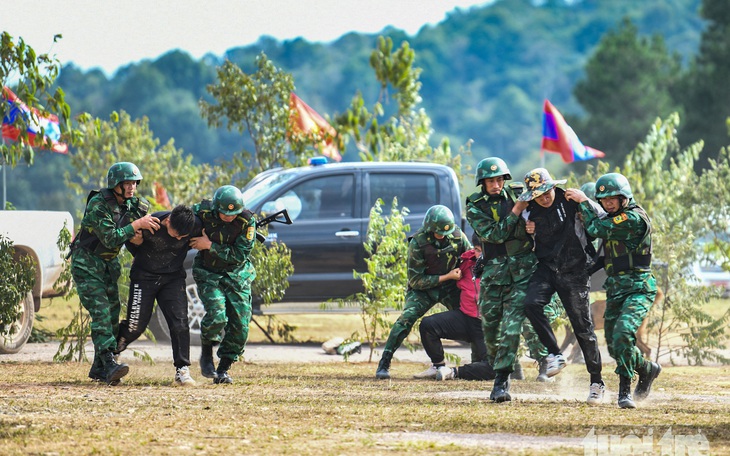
(485, 73)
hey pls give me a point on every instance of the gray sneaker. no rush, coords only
(555, 363)
(595, 395)
(183, 378)
(445, 373)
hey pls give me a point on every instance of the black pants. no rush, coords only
(169, 291)
(481, 370)
(573, 289)
(452, 325)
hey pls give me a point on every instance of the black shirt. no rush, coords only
(556, 243)
(161, 253)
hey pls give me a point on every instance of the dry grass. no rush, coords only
(337, 409)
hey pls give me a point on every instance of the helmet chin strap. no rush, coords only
(119, 194)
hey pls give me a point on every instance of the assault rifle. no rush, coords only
(275, 217)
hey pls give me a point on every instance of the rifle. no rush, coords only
(272, 218)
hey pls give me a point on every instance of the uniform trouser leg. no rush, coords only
(173, 302)
(417, 304)
(476, 371)
(622, 319)
(99, 294)
(491, 307)
(214, 320)
(141, 302)
(510, 328)
(573, 291)
(238, 316)
(539, 292)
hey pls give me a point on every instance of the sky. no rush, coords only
(108, 34)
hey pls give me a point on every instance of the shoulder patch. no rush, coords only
(250, 233)
(620, 218)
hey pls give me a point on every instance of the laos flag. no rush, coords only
(36, 122)
(559, 138)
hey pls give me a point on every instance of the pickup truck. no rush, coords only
(329, 205)
(34, 234)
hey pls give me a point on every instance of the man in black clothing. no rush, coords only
(157, 273)
(563, 252)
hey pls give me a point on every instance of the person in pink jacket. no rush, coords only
(462, 324)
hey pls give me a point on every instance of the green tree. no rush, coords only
(32, 75)
(18, 272)
(386, 278)
(122, 139)
(665, 183)
(257, 105)
(394, 133)
(628, 81)
(705, 92)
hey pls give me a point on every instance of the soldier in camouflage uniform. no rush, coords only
(434, 253)
(509, 264)
(630, 286)
(223, 271)
(94, 264)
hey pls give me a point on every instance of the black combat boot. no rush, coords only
(113, 371)
(221, 374)
(384, 366)
(207, 368)
(96, 372)
(647, 375)
(624, 393)
(500, 391)
(517, 373)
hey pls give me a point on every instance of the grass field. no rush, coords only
(339, 408)
(332, 409)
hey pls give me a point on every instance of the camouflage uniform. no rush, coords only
(94, 264)
(509, 264)
(224, 275)
(630, 286)
(428, 258)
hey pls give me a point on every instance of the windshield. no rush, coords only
(254, 195)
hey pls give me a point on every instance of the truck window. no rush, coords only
(417, 192)
(322, 197)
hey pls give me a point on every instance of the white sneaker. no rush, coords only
(555, 363)
(330, 346)
(431, 372)
(183, 378)
(445, 373)
(595, 396)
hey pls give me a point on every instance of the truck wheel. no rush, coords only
(20, 330)
(158, 324)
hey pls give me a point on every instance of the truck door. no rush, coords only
(326, 236)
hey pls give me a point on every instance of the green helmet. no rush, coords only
(120, 172)
(613, 184)
(492, 167)
(589, 188)
(228, 200)
(439, 219)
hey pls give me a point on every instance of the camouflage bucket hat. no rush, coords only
(537, 182)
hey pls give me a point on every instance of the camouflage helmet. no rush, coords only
(120, 172)
(492, 167)
(537, 182)
(440, 220)
(613, 184)
(589, 188)
(228, 200)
